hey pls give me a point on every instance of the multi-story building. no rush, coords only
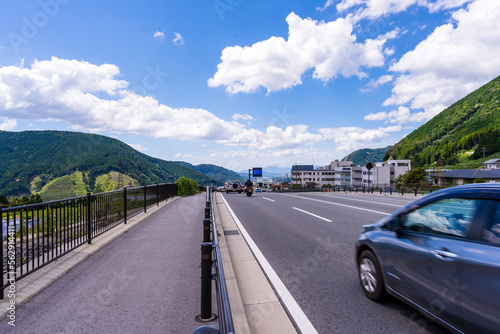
(345, 174)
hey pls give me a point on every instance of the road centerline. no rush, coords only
(312, 214)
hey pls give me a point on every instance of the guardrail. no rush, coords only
(33, 236)
(226, 325)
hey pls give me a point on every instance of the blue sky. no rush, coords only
(241, 83)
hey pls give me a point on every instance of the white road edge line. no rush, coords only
(312, 214)
(272, 200)
(286, 297)
(344, 205)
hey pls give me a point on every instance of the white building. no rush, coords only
(345, 174)
(492, 164)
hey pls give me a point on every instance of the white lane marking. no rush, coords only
(361, 200)
(312, 214)
(272, 200)
(344, 205)
(293, 308)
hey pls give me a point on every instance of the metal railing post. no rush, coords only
(145, 198)
(89, 222)
(157, 194)
(125, 205)
(206, 282)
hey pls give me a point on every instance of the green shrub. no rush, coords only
(187, 187)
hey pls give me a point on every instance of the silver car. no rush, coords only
(441, 255)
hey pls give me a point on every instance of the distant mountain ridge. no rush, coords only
(213, 171)
(47, 155)
(363, 156)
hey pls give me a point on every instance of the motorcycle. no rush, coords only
(249, 191)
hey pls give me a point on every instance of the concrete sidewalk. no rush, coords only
(145, 278)
(137, 278)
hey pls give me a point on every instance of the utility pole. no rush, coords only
(484, 152)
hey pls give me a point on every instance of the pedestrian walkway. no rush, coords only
(142, 277)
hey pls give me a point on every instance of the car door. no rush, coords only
(421, 263)
(479, 289)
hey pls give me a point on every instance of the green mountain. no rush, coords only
(366, 155)
(215, 172)
(31, 159)
(458, 133)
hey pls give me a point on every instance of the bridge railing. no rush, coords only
(33, 236)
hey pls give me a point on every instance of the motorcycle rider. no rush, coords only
(249, 183)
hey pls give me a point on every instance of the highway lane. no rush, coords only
(309, 241)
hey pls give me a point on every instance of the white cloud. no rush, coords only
(178, 40)
(245, 117)
(327, 4)
(373, 9)
(453, 61)
(400, 116)
(353, 138)
(8, 124)
(138, 147)
(373, 84)
(89, 97)
(330, 48)
(159, 35)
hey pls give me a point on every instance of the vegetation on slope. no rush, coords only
(31, 159)
(458, 133)
(366, 155)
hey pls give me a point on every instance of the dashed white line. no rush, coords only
(344, 205)
(312, 214)
(272, 200)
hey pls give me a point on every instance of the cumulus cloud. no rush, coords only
(244, 117)
(7, 124)
(373, 9)
(330, 48)
(91, 98)
(159, 35)
(178, 39)
(400, 116)
(454, 60)
(373, 84)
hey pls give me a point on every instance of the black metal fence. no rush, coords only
(34, 235)
(214, 260)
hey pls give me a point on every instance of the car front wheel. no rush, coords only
(370, 276)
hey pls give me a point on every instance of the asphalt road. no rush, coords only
(309, 241)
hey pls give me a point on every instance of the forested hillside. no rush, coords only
(47, 155)
(458, 133)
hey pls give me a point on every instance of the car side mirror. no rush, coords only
(396, 225)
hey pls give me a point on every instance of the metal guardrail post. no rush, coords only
(125, 205)
(415, 191)
(145, 198)
(206, 230)
(89, 222)
(206, 282)
(157, 194)
(390, 190)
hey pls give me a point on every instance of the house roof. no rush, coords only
(492, 161)
(473, 174)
